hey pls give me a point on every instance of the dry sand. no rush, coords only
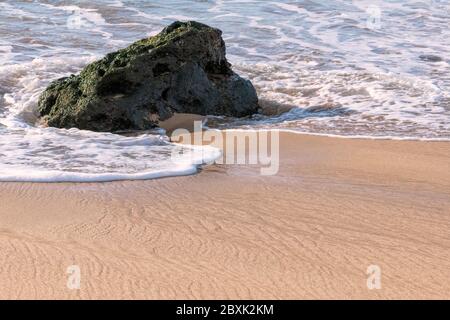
(336, 207)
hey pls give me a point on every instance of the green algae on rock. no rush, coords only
(183, 69)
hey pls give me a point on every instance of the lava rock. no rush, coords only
(183, 69)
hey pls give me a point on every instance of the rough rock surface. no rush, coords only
(183, 69)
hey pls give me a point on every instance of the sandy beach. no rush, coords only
(336, 207)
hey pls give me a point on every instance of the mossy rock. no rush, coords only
(183, 69)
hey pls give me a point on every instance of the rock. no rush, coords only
(181, 70)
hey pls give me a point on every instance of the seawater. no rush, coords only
(376, 69)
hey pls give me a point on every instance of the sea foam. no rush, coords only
(340, 75)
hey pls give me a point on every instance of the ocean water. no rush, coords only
(378, 69)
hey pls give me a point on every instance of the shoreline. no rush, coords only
(185, 122)
(362, 137)
(336, 207)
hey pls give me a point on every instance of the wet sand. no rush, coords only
(335, 207)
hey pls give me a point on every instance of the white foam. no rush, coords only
(11, 10)
(342, 78)
(35, 154)
(366, 137)
(57, 155)
(117, 3)
(374, 103)
(11, 174)
(90, 14)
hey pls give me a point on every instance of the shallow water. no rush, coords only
(350, 68)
